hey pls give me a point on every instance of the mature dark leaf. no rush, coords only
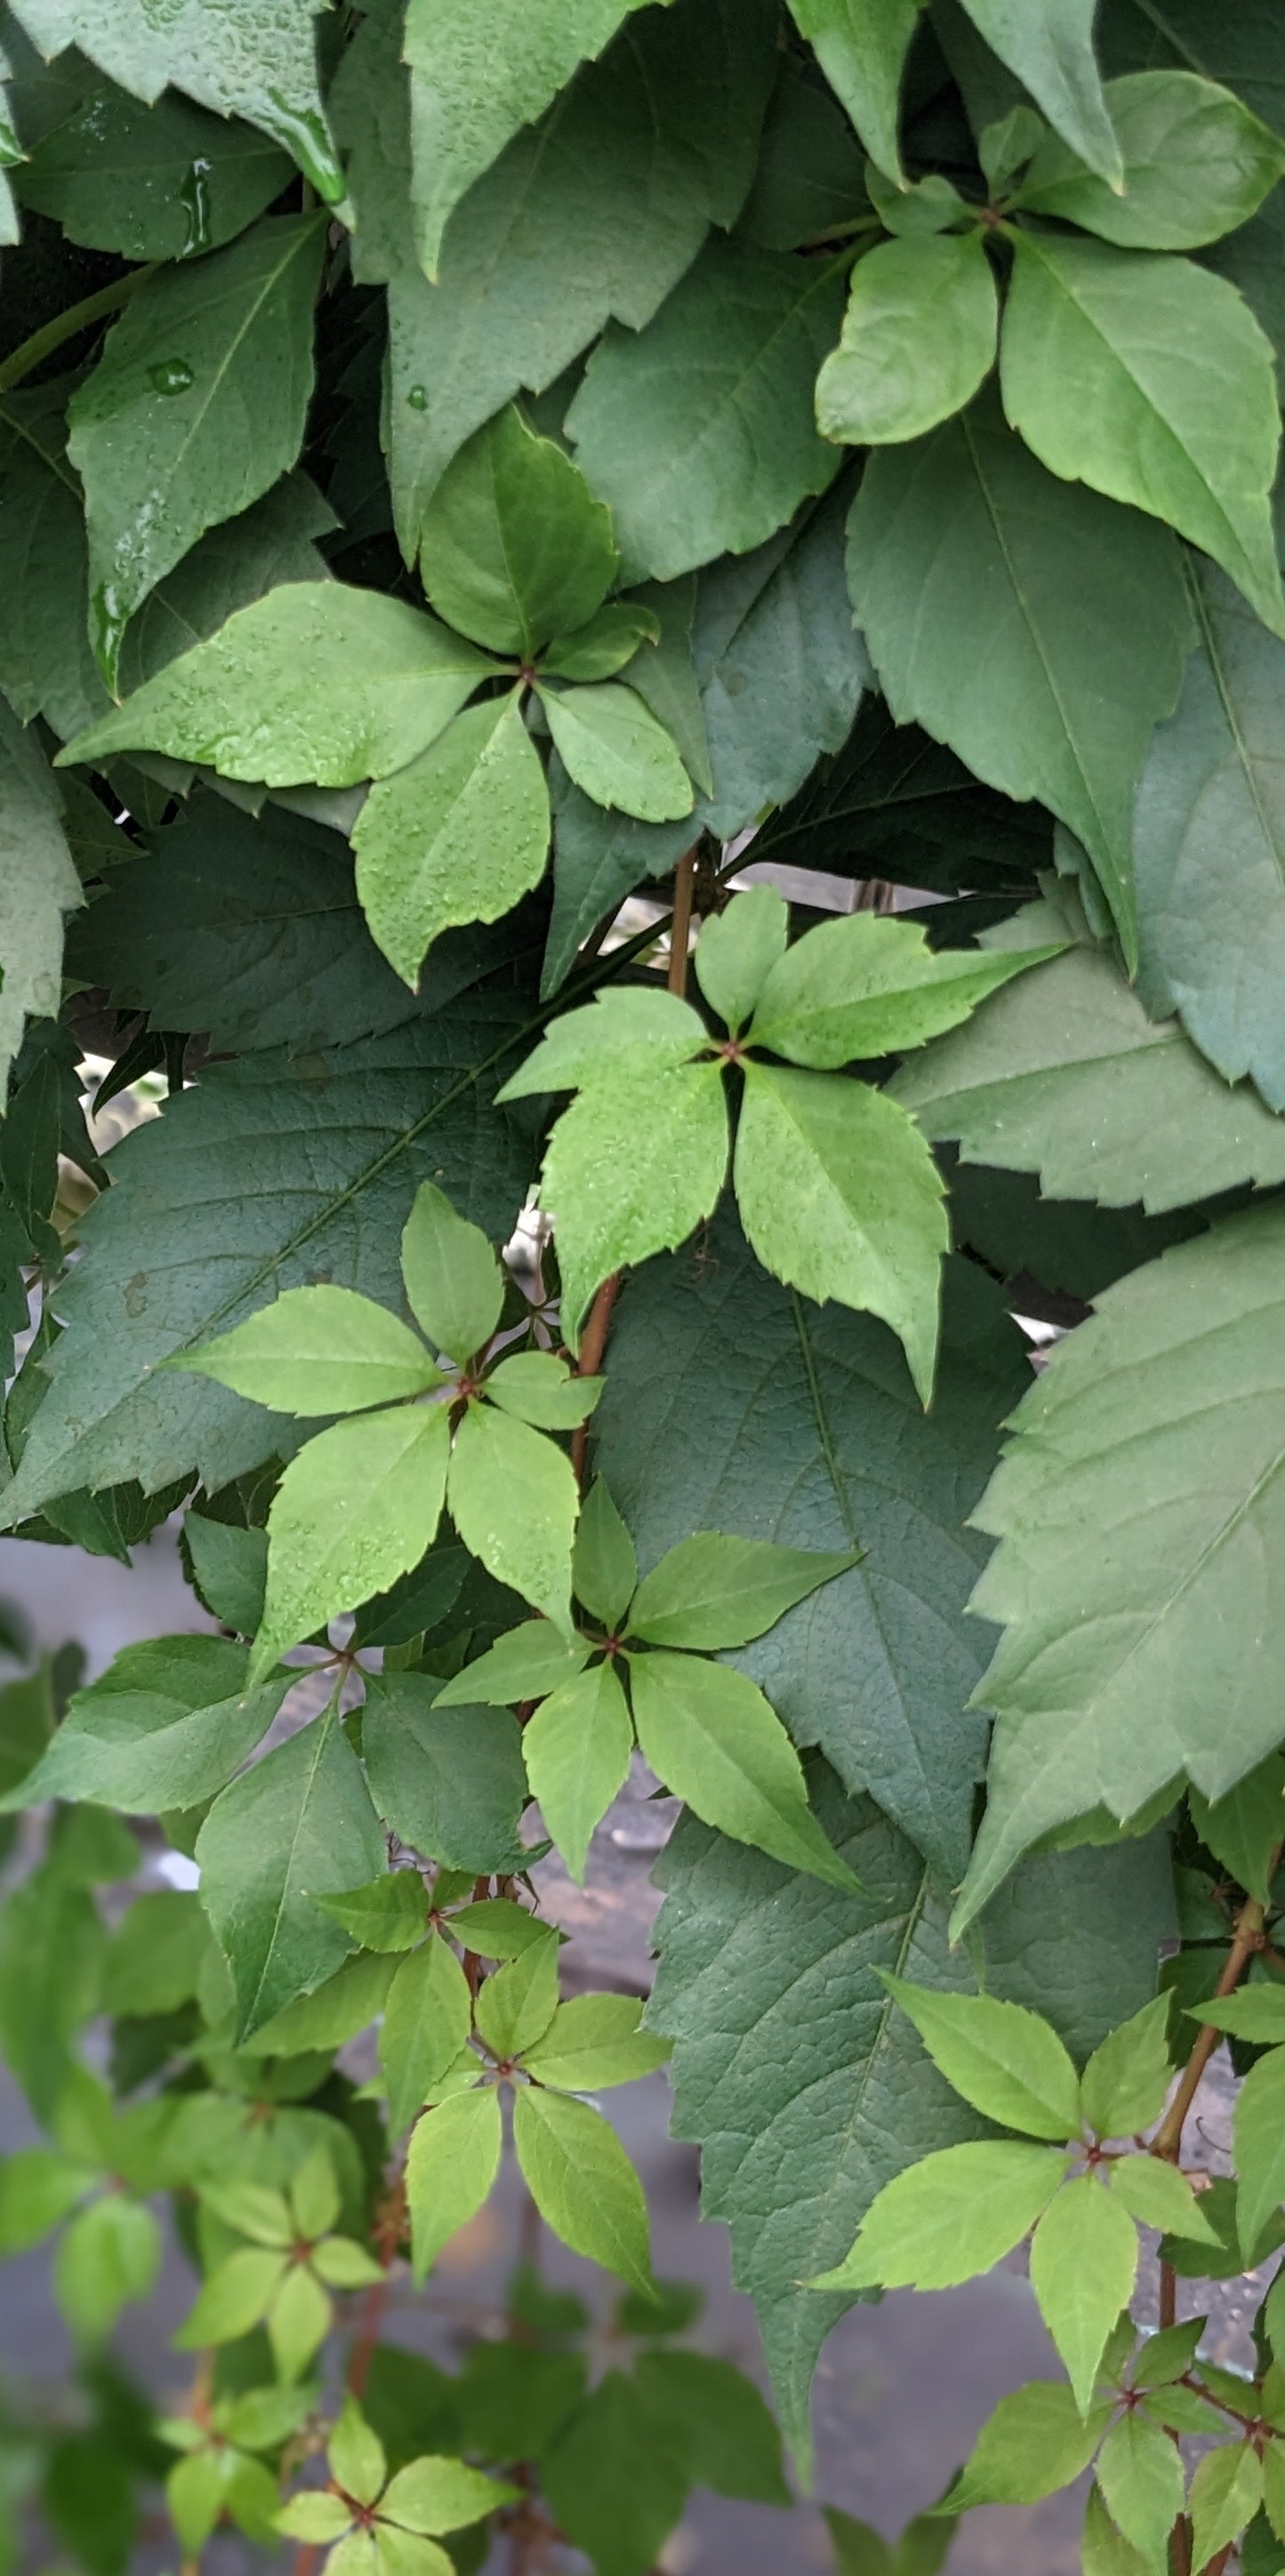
(599, 857)
(862, 51)
(895, 804)
(801, 1426)
(161, 182)
(38, 885)
(450, 1781)
(809, 176)
(264, 1176)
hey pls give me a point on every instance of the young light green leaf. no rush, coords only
(1084, 2255)
(592, 2042)
(318, 1350)
(1104, 2550)
(526, 1663)
(866, 985)
(356, 2455)
(1140, 2474)
(1273, 2493)
(862, 46)
(1256, 2014)
(516, 2005)
(1049, 44)
(194, 2494)
(1196, 165)
(194, 410)
(356, 1507)
(314, 2517)
(1123, 2087)
(1035, 2442)
(458, 836)
(711, 1591)
(319, 2023)
(1004, 2059)
(1095, 371)
(605, 645)
(841, 1198)
(388, 1915)
(513, 1498)
(514, 547)
(453, 1280)
(344, 2265)
(109, 2255)
(427, 2019)
(577, 1750)
(1259, 2135)
(313, 681)
(710, 1735)
(919, 336)
(949, 2217)
(234, 2298)
(1161, 2197)
(737, 950)
(1226, 2492)
(634, 1030)
(661, 1135)
(540, 1388)
(583, 2183)
(615, 750)
(497, 1927)
(604, 1567)
(453, 2160)
(300, 1822)
(1245, 1829)
(314, 2195)
(298, 2321)
(432, 2495)
(166, 1725)
(38, 2189)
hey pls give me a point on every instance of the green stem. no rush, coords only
(32, 353)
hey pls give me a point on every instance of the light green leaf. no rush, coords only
(194, 410)
(583, 2183)
(388, 1915)
(1066, 1076)
(1029, 624)
(476, 80)
(949, 2217)
(298, 2321)
(497, 1927)
(1226, 2492)
(159, 182)
(194, 2497)
(458, 836)
(356, 1507)
(866, 986)
(453, 1280)
(1035, 2442)
(517, 2004)
(1273, 2494)
(1140, 2474)
(513, 1498)
(1106, 1694)
(1084, 2255)
(165, 1726)
(344, 2265)
(604, 1567)
(427, 2019)
(38, 884)
(238, 62)
(1256, 2014)
(252, 2210)
(699, 430)
(234, 2298)
(300, 1822)
(1105, 2551)
(38, 2189)
(319, 1350)
(631, 1029)
(711, 1591)
(605, 645)
(577, 1750)
(1161, 2197)
(347, 2003)
(312, 681)
(524, 1664)
(595, 2041)
(514, 548)
(1196, 165)
(1096, 374)
(1049, 44)
(539, 1388)
(919, 336)
(1004, 2059)
(109, 2255)
(1123, 2087)
(1244, 1829)
(613, 748)
(356, 2455)
(314, 2195)
(840, 1197)
(1259, 2134)
(737, 950)
(862, 46)
(405, 2553)
(449, 1782)
(710, 1735)
(433, 2495)
(661, 1134)
(453, 2160)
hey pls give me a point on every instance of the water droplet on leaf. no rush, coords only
(171, 376)
(195, 196)
(418, 397)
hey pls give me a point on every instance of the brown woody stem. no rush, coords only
(1247, 1938)
(681, 927)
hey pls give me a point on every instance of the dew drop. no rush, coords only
(108, 621)
(171, 376)
(195, 197)
(418, 397)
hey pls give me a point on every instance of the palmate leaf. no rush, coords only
(1196, 165)
(1134, 1603)
(1049, 44)
(460, 835)
(713, 1739)
(299, 1171)
(577, 1749)
(612, 746)
(356, 1508)
(514, 547)
(200, 396)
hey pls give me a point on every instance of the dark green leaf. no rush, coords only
(449, 1781)
(862, 51)
(156, 182)
(167, 1725)
(38, 884)
(514, 549)
(713, 1591)
(1049, 44)
(1196, 165)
